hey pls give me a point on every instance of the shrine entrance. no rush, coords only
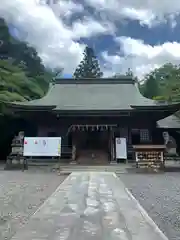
(93, 144)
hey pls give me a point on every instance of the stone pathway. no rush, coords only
(90, 206)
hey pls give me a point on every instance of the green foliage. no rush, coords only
(89, 66)
(22, 74)
(5, 40)
(22, 77)
(151, 88)
(163, 83)
(159, 98)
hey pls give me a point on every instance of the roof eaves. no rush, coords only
(124, 80)
(30, 106)
(157, 106)
(92, 112)
(170, 122)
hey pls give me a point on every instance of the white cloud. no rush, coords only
(58, 45)
(55, 42)
(65, 8)
(115, 59)
(140, 57)
(89, 27)
(52, 39)
(148, 12)
(145, 17)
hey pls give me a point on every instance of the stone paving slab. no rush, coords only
(89, 206)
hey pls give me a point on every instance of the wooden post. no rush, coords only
(113, 160)
(136, 157)
(73, 154)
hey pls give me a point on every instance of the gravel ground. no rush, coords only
(159, 194)
(21, 194)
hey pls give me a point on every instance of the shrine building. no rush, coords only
(90, 113)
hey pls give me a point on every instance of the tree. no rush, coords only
(165, 84)
(151, 88)
(22, 77)
(28, 56)
(24, 68)
(89, 66)
(5, 41)
(129, 73)
(15, 85)
(169, 83)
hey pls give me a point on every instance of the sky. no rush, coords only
(137, 34)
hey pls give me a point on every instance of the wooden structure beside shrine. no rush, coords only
(89, 113)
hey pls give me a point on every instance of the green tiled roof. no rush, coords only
(89, 94)
(169, 122)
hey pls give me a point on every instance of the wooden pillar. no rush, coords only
(74, 148)
(110, 144)
(129, 136)
(113, 154)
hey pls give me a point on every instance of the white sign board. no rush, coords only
(42, 146)
(121, 148)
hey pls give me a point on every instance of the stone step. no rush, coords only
(65, 172)
(172, 158)
(91, 167)
(83, 169)
(88, 168)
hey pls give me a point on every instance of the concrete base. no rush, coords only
(12, 164)
(73, 162)
(91, 205)
(113, 162)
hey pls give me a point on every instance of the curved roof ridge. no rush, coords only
(80, 95)
(36, 102)
(144, 99)
(51, 86)
(122, 80)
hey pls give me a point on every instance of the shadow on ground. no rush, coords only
(172, 169)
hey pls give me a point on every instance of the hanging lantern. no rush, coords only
(87, 127)
(92, 128)
(97, 127)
